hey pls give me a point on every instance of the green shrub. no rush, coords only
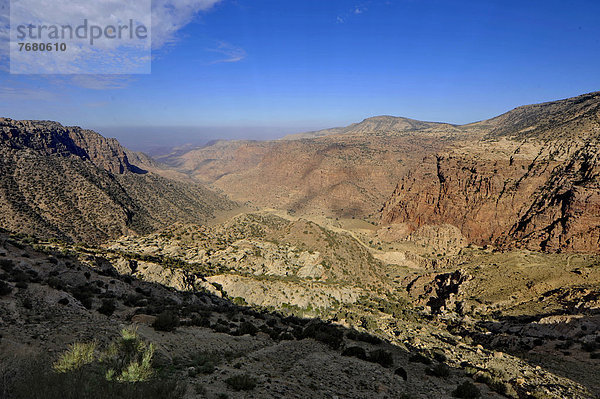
(166, 321)
(241, 382)
(285, 336)
(467, 390)
(589, 346)
(36, 380)
(77, 356)
(20, 277)
(204, 363)
(247, 328)
(200, 320)
(129, 359)
(56, 283)
(401, 373)
(221, 329)
(7, 265)
(21, 284)
(84, 294)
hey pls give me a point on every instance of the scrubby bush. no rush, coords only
(247, 328)
(467, 390)
(56, 283)
(241, 382)
(204, 363)
(129, 359)
(84, 294)
(402, 373)
(439, 370)
(419, 358)
(108, 307)
(355, 351)
(6, 265)
(77, 356)
(221, 329)
(439, 356)
(5, 288)
(200, 320)
(364, 337)
(323, 332)
(20, 277)
(285, 336)
(35, 380)
(381, 357)
(166, 321)
(589, 346)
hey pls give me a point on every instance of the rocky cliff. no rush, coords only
(532, 181)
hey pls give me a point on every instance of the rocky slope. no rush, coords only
(69, 183)
(266, 260)
(57, 295)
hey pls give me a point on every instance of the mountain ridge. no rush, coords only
(73, 184)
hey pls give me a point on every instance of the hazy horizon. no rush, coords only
(314, 64)
(159, 140)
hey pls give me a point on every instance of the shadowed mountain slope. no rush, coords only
(74, 184)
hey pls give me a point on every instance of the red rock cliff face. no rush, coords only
(533, 182)
(565, 213)
(481, 191)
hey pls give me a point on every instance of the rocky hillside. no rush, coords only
(266, 260)
(69, 183)
(205, 346)
(576, 118)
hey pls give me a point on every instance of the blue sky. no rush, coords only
(289, 66)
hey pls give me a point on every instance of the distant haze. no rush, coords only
(160, 140)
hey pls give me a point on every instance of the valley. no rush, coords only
(393, 258)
